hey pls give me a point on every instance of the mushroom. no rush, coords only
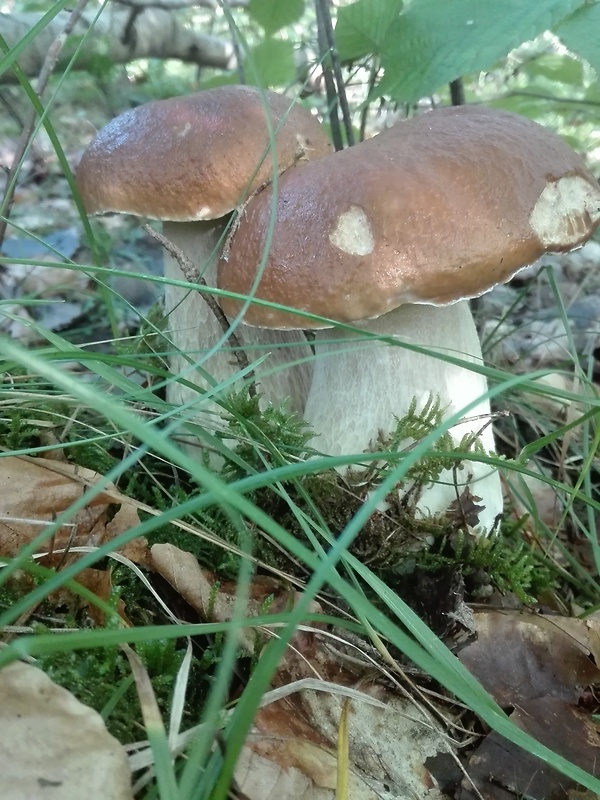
(393, 236)
(189, 161)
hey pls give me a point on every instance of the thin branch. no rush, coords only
(190, 273)
(550, 98)
(330, 88)
(334, 59)
(9, 105)
(26, 134)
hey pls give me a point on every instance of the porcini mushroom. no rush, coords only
(394, 235)
(189, 161)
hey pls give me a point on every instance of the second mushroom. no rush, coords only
(189, 161)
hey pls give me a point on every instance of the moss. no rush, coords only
(101, 678)
(394, 542)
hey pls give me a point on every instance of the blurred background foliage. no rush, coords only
(538, 59)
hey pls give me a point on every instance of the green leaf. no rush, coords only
(436, 41)
(272, 15)
(579, 32)
(554, 67)
(221, 79)
(361, 27)
(270, 63)
(518, 104)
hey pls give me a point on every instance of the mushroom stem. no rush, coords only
(193, 330)
(357, 393)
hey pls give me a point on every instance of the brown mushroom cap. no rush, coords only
(195, 157)
(436, 209)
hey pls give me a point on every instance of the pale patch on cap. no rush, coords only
(565, 212)
(353, 233)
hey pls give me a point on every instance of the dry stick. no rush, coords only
(330, 88)
(190, 273)
(325, 21)
(26, 134)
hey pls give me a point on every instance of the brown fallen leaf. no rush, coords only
(213, 598)
(390, 738)
(53, 746)
(98, 581)
(291, 750)
(519, 657)
(502, 771)
(33, 491)
(586, 632)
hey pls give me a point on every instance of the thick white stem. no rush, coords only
(194, 330)
(360, 387)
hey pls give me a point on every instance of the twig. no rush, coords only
(190, 273)
(330, 88)
(551, 98)
(299, 155)
(9, 105)
(26, 134)
(325, 21)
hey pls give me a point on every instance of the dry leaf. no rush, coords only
(519, 656)
(501, 771)
(308, 773)
(198, 587)
(98, 581)
(586, 632)
(33, 491)
(291, 751)
(54, 747)
(294, 742)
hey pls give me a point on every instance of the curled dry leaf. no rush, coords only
(33, 491)
(519, 657)
(213, 598)
(53, 746)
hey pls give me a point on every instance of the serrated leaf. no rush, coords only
(272, 15)
(270, 63)
(434, 42)
(361, 27)
(580, 31)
